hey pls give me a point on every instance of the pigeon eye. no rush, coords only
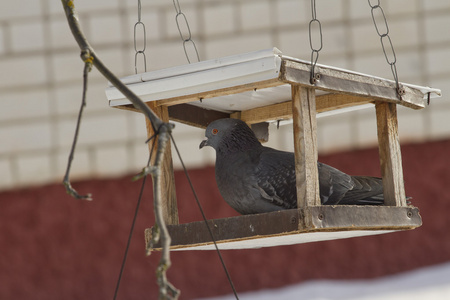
(215, 131)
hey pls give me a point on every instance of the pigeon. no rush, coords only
(256, 179)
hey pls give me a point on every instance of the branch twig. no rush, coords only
(84, 45)
(69, 189)
(166, 290)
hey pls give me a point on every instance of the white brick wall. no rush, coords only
(220, 19)
(17, 9)
(22, 71)
(255, 15)
(41, 74)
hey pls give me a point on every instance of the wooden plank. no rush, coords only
(187, 114)
(283, 111)
(294, 238)
(305, 146)
(128, 107)
(330, 102)
(169, 198)
(236, 227)
(261, 229)
(279, 111)
(340, 81)
(200, 117)
(390, 155)
(194, 115)
(343, 217)
(219, 92)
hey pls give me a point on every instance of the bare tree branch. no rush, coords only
(69, 189)
(74, 25)
(166, 290)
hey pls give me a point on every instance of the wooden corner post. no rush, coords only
(169, 198)
(390, 155)
(305, 146)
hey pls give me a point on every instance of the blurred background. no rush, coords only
(53, 246)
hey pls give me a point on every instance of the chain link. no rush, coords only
(314, 50)
(186, 37)
(139, 51)
(386, 42)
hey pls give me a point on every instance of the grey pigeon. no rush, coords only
(254, 179)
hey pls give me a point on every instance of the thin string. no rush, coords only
(134, 222)
(205, 220)
(201, 211)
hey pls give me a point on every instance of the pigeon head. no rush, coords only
(229, 135)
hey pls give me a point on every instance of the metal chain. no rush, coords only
(314, 50)
(187, 36)
(386, 42)
(139, 51)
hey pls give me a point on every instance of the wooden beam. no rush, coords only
(128, 107)
(194, 115)
(346, 82)
(283, 111)
(329, 102)
(390, 155)
(265, 230)
(219, 92)
(169, 198)
(200, 117)
(305, 146)
(279, 111)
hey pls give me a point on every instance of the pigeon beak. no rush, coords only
(204, 143)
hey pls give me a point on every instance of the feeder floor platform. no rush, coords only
(294, 226)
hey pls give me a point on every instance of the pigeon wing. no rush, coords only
(275, 176)
(336, 187)
(333, 184)
(366, 190)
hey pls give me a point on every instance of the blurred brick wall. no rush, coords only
(55, 247)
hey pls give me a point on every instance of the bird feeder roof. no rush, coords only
(258, 79)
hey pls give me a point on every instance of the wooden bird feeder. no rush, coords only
(267, 86)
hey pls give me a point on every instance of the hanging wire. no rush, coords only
(187, 40)
(140, 51)
(134, 221)
(186, 37)
(314, 48)
(205, 220)
(386, 42)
